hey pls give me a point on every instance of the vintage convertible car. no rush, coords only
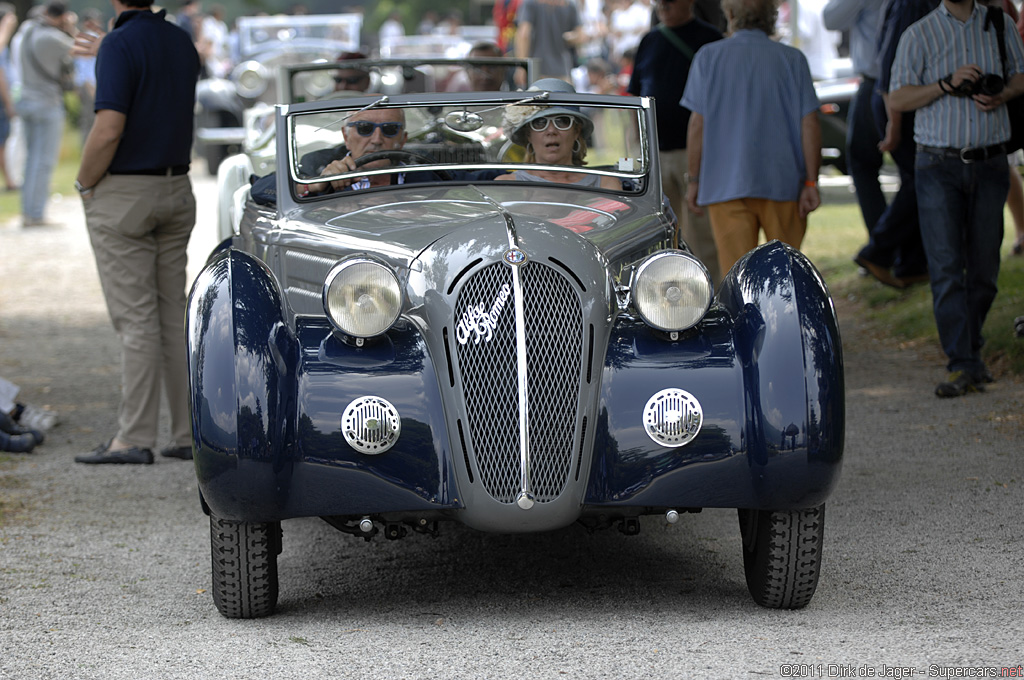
(516, 356)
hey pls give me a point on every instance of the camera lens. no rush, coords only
(989, 84)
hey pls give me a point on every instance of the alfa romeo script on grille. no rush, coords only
(479, 322)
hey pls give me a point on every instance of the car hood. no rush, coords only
(406, 221)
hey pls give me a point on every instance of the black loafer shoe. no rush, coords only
(179, 452)
(103, 455)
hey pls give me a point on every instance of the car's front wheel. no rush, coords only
(782, 555)
(244, 560)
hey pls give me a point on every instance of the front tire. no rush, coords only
(244, 561)
(782, 555)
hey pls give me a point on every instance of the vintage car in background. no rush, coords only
(265, 44)
(834, 97)
(514, 356)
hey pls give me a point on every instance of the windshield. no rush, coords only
(532, 139)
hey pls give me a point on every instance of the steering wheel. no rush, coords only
(399, 156)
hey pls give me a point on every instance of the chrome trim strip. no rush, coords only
(525, 498)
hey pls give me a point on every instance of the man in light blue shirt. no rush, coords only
(943, 70)
(754, 138)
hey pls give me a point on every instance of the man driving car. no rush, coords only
(365, 132)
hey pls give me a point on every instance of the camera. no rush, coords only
(989, 84)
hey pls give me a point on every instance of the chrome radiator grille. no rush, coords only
(486, 354)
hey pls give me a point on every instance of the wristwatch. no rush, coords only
(82, 189)
(690, 179)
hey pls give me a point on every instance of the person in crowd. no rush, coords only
(863, 20)
(660, 70)
(140, 210)
(894, 254)
(752, 98)
(392, 29)
(85, 76)
(819, 45)
(189, 17)
(547, 30)
(45, 63)
(552, 135)
(480, 77)
(8, 24)
(351, 79)
(215, 51)
(961, 168)
(628, 22)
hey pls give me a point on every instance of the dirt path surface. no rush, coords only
(104, 571)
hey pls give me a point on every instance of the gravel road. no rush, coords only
(104, 571)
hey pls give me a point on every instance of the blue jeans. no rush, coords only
(961, 210)
(863, 158)
(895, 241)
(44, 127)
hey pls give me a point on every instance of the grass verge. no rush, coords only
(835, 234)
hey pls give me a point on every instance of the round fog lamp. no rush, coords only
(672, 291)
(362, 298)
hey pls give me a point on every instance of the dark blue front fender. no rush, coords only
(766, 368)
(242, 361)
(267, 403)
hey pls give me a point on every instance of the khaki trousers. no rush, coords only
(737, 224)
(695, 230)
(139, 226)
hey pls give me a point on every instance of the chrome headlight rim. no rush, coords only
(251, 90)
(645, 270)
(337, 277)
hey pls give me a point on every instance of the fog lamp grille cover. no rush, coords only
(371, 425)
(673, 417)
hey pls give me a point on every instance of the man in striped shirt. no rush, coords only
(943, 71)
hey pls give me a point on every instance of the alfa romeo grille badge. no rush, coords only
(514, 256)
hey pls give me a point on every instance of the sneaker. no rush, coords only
(17, 443)
(102, 454)
(179, 452)
(957, 384)
(8, 425)
(983, 377)
(34, 417)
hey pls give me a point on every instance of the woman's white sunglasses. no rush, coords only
(541, 124)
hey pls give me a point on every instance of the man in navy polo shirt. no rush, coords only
(140, 211)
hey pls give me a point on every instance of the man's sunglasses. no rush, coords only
(351, 80)
(560, 122)
(365, 128)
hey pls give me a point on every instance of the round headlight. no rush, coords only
(672, 291)
(251, 79)
(362, 297)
